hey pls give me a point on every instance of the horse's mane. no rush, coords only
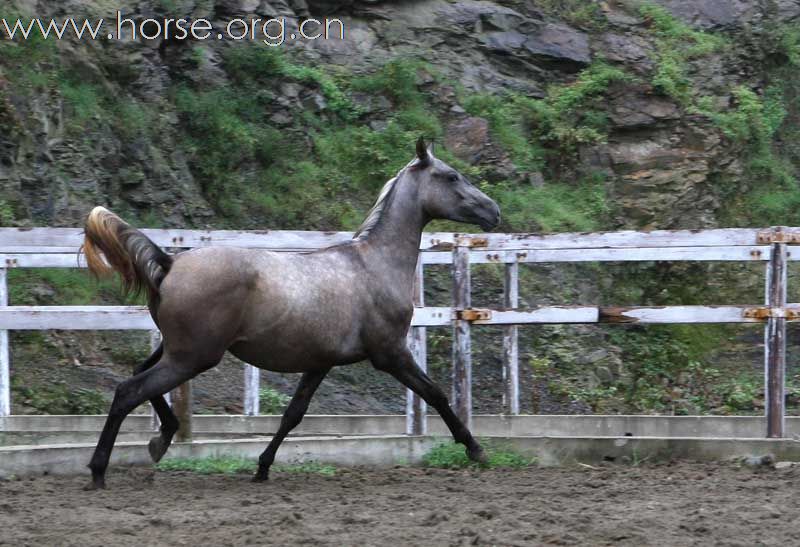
(374, 215)
(377, 210)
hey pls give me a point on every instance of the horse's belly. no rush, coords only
(301, 357)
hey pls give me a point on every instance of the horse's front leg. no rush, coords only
(402, 366)
(292, 416)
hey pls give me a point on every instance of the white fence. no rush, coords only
(58, 247)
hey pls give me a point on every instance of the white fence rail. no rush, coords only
(58, 248)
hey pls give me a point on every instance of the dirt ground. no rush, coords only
(669, 504)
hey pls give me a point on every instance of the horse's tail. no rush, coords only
(111, 244)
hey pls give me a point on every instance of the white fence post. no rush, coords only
(5, 351)
(416, 409)
(511, 343)
(252, 379)
(775, 343)
(462, 344)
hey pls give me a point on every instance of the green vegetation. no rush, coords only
(555, 207)
(230, 465)
(676, 44)
(540, 134)
(272, 401)
(84, 100)
(452, 456)
(753, 121)
(225, 132)
(24, 62)
(664, 369)
(248, 65)
(247, 164)
(758, 124)
(59, 398)
(50, 286)
(570, 115)
(7, 214)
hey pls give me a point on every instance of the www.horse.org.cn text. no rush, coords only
(271, 32)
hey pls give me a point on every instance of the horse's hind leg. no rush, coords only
(164, 376)
(169, 422)
(403, 367)
(292, 416)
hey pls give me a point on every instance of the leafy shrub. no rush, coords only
(254, 63)
(399, 79)
(272, 401)
(753, 120)
(676, 44)
(509, 127)
(570, 115)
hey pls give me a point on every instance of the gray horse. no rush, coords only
(286, 312)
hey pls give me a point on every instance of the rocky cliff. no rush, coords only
(574, 115)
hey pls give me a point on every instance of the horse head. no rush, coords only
(447, 194)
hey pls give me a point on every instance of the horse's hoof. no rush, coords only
(260, 476)
(157, 448)
(477, 455)
(95, 485)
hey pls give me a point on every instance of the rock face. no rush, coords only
(133, 141)
(659, 157)
(468, 138)
(710, 14)
(560, 44)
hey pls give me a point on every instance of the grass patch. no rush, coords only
(251, 64)
(450, 455)
(65, 287)
(272, 401)
(61, 399)
(555, 207)
(570, 115)
(753, 120)
(676, 44)
(231, 465)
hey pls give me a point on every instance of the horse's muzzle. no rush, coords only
(490, 219)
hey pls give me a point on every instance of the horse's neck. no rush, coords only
(393, 243)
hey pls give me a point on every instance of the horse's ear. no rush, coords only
(422, 153)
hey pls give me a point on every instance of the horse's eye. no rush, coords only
(452, 177)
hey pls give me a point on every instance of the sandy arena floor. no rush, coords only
(669, 504)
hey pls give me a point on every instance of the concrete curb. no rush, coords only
(391, 450)
(549, 425)
(551, 451)
(68, 459)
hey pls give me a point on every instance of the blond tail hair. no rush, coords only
(112, 245)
